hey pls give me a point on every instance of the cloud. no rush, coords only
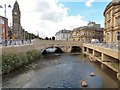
(47, 17)
(89, 3)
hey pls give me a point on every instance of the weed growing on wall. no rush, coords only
(12, 61)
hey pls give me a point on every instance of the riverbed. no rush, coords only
(60, 71)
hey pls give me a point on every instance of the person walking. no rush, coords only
(10, 41)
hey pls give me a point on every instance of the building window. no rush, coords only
(1, 21)
(108, 36)
(118, 35)
(109, 14)
(108, 24)
(84, 33)
(63, 35)
(3, 30)
(89, 34)
(118, 21)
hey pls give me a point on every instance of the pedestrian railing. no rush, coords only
(106, 45)
(17, 43)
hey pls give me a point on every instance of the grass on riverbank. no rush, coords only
(12, 61)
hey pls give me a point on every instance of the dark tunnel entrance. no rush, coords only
(52, 50)
(75, 49)
(58, 50)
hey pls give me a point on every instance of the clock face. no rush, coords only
(15, 13)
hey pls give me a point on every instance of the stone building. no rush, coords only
(112, 22)
(16, 15)
(74, 36)
(62, 35)
(86, 33)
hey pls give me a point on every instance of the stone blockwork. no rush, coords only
(64, 45)
(106, 56)
(42, 45)
(18, 49)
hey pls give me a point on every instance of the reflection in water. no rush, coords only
(61, 71)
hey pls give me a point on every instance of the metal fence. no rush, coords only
(17, 42)
(107, 45)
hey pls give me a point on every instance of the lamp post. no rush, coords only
(5, 22)
(37, 33)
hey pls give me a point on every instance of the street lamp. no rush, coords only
(9, 6)
(37, 33)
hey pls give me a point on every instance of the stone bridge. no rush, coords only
(63, 45)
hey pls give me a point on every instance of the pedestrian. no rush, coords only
(10, 41)
(30, 40)
(5, 42)
(22, 41)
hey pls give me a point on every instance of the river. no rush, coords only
(60, 71)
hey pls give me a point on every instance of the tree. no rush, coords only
(53, 38)
(46, 38)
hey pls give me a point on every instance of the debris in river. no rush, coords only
(92, 74)
(84, 83)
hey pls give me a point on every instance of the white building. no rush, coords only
(63, 35)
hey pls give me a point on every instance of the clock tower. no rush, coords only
(16, 16)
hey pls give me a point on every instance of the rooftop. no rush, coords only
(113, 3)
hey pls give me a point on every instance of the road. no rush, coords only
(64, 71)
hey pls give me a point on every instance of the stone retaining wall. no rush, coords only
(17, 49)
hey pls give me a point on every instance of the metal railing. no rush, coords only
(17, 42)
(107, 45)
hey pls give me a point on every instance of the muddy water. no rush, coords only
(63, 71)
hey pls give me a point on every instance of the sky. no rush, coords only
(49, 16)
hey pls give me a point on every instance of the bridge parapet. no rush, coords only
(55, 42)
(64, 45)
(108, 51)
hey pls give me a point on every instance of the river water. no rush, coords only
(60, 71)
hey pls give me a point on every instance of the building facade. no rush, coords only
(3, 29)
(16, 16)
(112, 22)
(86, 33)
(74, 36)
(63, 35)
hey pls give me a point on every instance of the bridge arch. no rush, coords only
(75, 49)
(58, 50)
(62, 49)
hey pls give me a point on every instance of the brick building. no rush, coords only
(3, 29)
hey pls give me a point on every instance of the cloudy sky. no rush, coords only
(49, 16)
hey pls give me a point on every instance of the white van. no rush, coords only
(94, 41)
